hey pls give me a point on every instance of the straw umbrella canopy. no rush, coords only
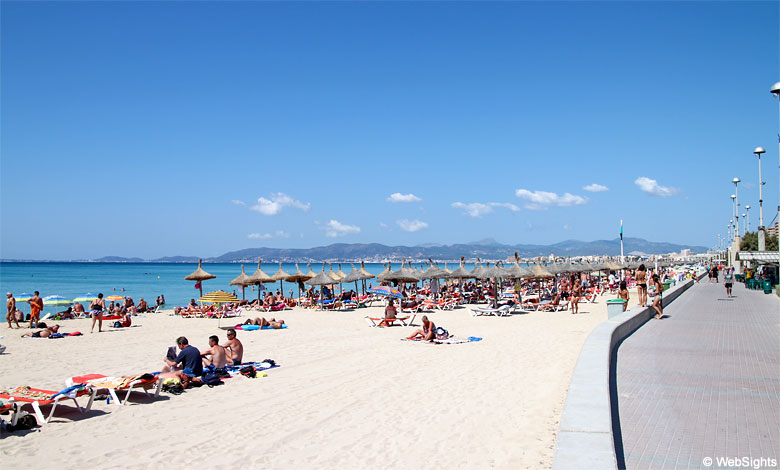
(242, 280)
(298, 277)
(311, 272)
(461, 272)
(518, 272)
(493, 274)
(381, 276)
(321, 279)
(259, 277)
(354, 276)
(433, 272)
(365, 275)
(540, 272)
(280, 276)
(199, 275)
(479, 271)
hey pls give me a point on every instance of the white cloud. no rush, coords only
(651, 186)
(238, 203)
(266, 236)
(382, 224)
(595, 188)
(398, 197)
(478, 209)
(276, 203)
(566, 227)
(411, 225)
(542, 199)
(334, 229)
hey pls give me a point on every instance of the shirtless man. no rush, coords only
(235, 350)
(11, 304)
(428, 330)
(44, 333)
(142, 306)
(78, 309)
(218, 354)
(36, 305)
(273, 323)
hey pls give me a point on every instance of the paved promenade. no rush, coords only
(703, 382)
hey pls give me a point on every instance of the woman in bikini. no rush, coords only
(641, 285)
(656, 291)
(428, 330)
(96, 312)
(576, 294)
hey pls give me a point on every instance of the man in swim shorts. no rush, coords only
(215, 355)
(11, 304)
(36, 305)
(234, 348)
(44, 333)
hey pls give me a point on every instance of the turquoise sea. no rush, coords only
(147, 280)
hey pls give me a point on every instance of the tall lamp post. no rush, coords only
(747, 223)
(744, 223)
(736, 201)
(761, 235)
(775, 90)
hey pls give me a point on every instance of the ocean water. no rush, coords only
(147, 280)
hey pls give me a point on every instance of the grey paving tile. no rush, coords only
(704, 382)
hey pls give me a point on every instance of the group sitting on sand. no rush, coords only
(187, 365)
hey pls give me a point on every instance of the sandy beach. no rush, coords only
(346, 395)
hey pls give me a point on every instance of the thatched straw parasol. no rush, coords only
(381, 276)
(199, 275)
(354, 276)
(321, 279)
(298, 277)
(280, 276)
(478, 272)
(242, 280)
(540, 272)
(311, 272)
(461, 272)
(259, 277)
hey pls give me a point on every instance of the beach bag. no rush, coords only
(222, 372)
(211, 379)
(248, 371)
(24, 423)
(441, 333)
(173, 386)
(117, 324)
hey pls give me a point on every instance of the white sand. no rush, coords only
(345, 396)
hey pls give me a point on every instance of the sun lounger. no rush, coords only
(374, 322)
(118, 384)
(502, 311)
(37, 398)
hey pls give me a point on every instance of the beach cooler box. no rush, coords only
(614, 307)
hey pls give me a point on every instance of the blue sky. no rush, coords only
(177, 128)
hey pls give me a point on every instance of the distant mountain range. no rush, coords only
(487, 249)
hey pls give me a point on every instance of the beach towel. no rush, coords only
(450, 340)
(252, 327)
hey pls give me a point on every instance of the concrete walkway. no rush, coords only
(704, 381)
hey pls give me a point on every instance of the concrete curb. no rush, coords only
(585, 435)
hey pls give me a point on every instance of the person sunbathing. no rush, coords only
(78, 309)
(235, 350)
(216, 355)
(44, 333)
(261, 322)
(142, 306)
(428, 330)
(390, 314)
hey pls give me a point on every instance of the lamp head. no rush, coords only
(759, 150)
(747, 207)
(744, 215)
(775, 89)
(733, 196)
(736, 180)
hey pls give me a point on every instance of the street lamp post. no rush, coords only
(747, 223)
(736, 201)
(775, 90)
(761, 235)
(744, 222)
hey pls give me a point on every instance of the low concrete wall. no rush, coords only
(586, 437)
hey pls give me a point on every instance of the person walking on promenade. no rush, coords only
(36, 305)
(11, 304)
(641, 285)
(728, 280)
(656, 293)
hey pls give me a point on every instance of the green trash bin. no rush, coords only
(767, 286)
(666, 285)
